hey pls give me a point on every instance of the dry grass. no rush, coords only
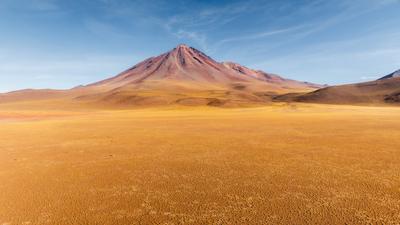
(281, 164)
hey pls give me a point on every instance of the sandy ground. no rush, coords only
(281, 164)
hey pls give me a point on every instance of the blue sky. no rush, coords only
(61, 44)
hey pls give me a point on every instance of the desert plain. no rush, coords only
(274, 164)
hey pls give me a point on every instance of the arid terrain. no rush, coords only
(276, 164)
(385, 90)
(183, 139)
(199, 112)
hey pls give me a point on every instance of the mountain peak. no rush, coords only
(187, 65)
(182, 46)
(185, 75)
(182, 64)
(392, 75)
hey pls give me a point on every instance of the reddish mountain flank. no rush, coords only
(183, 75)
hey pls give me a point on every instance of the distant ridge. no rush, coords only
(394, 74)
(385, 90)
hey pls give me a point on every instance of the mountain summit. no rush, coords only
(187, 64)
(182, 63)
(392, 75)
(183, 75)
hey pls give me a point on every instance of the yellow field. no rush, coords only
(279, 164)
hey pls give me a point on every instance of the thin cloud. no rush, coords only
(195, 24)
(262, 34)
(31, 5)
(194, 36)
(369, 77)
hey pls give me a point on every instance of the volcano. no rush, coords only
(183, 75)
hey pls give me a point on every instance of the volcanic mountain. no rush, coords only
(183, 75)
(383, 90)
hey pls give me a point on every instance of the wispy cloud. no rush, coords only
(66, 72)
(44, 5)
(210, 16)
(196, 37)
(338, 62)
(315, 40)
(369, 77)
(195, 25)
(263, 34)
(31, 5)
(104, 29)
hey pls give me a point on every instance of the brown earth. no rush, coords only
(383, 91)
(280, 164)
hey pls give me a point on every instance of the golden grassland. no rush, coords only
(278, 164)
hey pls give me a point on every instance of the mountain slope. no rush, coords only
(383, 90)
(183, 75)
(182, 63)
(394, 74)
(269, 77)
(185, 64)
